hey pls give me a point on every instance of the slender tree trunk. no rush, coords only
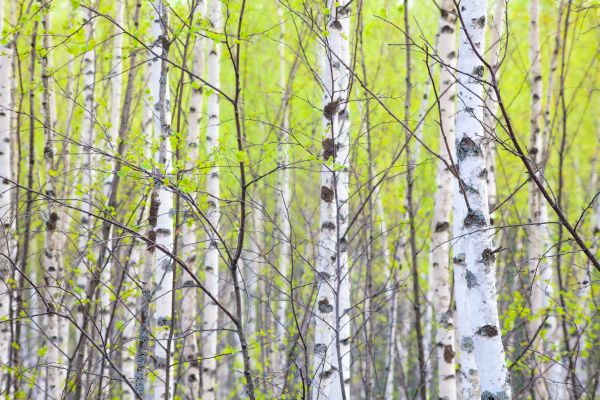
(146, 281)
(332, 327)
(441, 290)
(390, 380)
(24, 250)
(53, 268)
(368, 358)
(162, 386)
(555, 372)
(189, 318)
(211, 261)
(391, 384)
(538, 236)
(468, 373)
(411, 162)
(134, 263)
(116, 81)
(85, 179)
(7, 219)
(282, 206)
(479, 257)
(491, 105)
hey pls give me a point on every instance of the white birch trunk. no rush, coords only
(390, 381)
(164, 264)
(491, 105)
(468, 375)
(116, 81)
(130, 316)
(472, 222)
(538, 235)
(7, 222)
(210, 311)
(189, 317)
(254, 266)
(440, 252)
(53, 269)
(146, 281)
(282, 205)
(86, 173)
(332, 328)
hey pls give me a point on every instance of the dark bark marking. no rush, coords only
(487, 330)
(488, 256)
(328, 149)
(325, 307)
(471, 279)
(467, 147)
(442, 226)
(448, 353)
(474, 218)
(331, 109)
(326, 194)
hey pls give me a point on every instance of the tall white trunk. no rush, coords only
(491, 105)
(130, 316)
(440, 252)
(53, 268)
(116, 81)
(254, 264)
(189, 316)
(86, 172)
(211, 261)
(472, 221)
(468, 375)
(7, 222)
(538, 235)
(146, 281)
(332, 327)
(164, 264)
(282, 207)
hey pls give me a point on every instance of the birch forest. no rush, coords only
(300, 199)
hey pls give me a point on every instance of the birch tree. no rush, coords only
(472, 220)
(109, 144)
(332, 328)
(53, 268)
(442, 206)
(162, 201)
(282, 200)
(7, 224)
(538, 236)
(211, 258)
(86, 172)
(189, 320)
(489, 111)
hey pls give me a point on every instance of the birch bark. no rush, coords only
(282, 204)
(211, 261)
(116, 81)
(53, 268)
(86, 174)
(7, 222)
(491, 105)
(332, 328)
(146, 281)
(442, 206)
(189, 316)
(163, 264)
(538, 236)
(479, 257)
